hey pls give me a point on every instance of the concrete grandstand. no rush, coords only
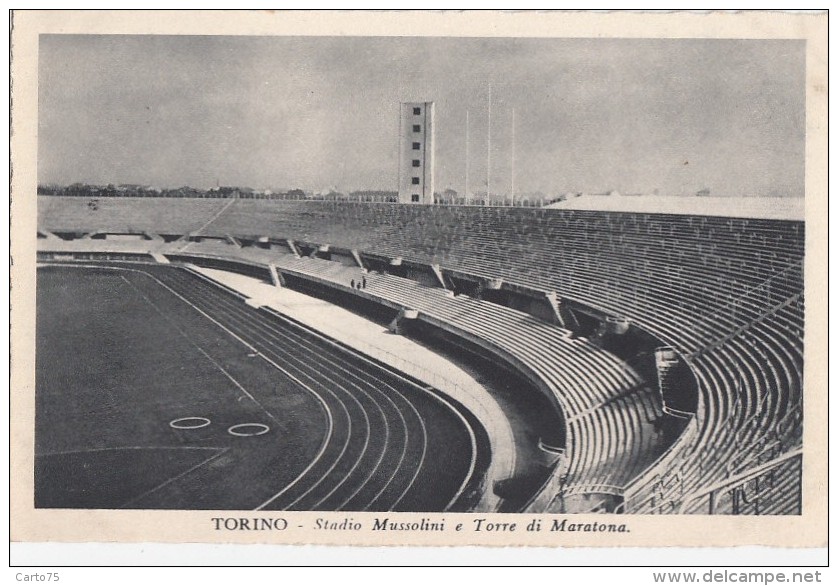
(667, 346)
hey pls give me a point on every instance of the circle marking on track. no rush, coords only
(189, 423)
(248, 429)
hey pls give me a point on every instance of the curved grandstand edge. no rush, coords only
(557, 461)
(726, 292)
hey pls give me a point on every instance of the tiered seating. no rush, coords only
(127, 215)
(609, 414)
(726, 292)
(753, 410)
(693, 281)
(604, 259)
(631, 417)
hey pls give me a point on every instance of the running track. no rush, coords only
(389, 444)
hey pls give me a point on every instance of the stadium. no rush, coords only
(230, 349)
(674, 374)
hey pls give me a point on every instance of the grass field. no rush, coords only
(121, 353)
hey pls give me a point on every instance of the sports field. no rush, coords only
(157, 389)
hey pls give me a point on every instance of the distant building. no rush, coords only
(416, 152)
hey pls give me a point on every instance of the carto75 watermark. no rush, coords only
(36, 577)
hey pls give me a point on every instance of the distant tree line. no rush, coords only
(126, 190)
(447, 197)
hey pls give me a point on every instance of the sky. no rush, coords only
(591, 115)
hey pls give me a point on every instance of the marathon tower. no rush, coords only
(416, 152)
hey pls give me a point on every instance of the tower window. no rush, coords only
(417, 111)
(415, 181)
(414, 198)
(417, 128)
(417, 146)
(416, 162)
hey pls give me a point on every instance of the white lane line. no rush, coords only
(206, 225)
(245, 324)
(421, 459)
(201, 350)
(472, 436)
(272, 333)
(473, 462)
(95, 450)
(349, 436)
(328, 437)
(398, 467)
(366, 416)
(174, 478)
(270, 336)
(357, 354)
(329, 416)
(302, 341)
(426, 390)
(384, 448)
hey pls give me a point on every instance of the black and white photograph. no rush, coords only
(359, 276)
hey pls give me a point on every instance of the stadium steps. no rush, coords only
(126, 215)
(572, 368)
(693, 281)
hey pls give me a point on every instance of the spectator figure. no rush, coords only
(352, 283)
(363, 282)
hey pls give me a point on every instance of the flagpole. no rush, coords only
(489, 152)
(513, 158)
(467, 161)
